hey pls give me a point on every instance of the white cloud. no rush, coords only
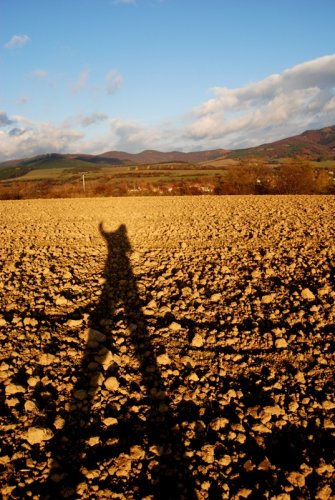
(330, 106)
(40, 73)
(278, 106)
(17, 41)
(81, 81)
(133, 136)
(31, 138)
(114, 81)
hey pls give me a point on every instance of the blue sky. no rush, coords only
(97, 75)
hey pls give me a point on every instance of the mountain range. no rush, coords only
(315, 145)
(312, 145)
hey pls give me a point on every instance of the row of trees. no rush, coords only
(292, 177)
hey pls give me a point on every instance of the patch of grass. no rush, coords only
(121, 173)
(43, 168)
(323, 164)
(13, 172)
(219, 163)
(45, 173)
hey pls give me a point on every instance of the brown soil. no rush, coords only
(167, 348)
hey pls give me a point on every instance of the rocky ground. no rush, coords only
(184, 348)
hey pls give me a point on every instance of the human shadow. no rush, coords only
(74, 451)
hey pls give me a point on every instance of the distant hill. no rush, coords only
(311, 145)
(152, 156)
(18, 168)
(314, 145)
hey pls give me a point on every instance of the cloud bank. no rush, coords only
(281, 105)
(278, 106)
(30, 138)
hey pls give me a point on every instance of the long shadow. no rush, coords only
(164, 476)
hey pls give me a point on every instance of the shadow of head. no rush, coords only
(116, 240)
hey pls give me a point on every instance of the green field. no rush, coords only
(134, 173)
(323, 164)
(63, 177)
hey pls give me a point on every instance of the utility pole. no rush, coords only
(84, 185)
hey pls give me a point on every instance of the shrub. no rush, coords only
(295, 177)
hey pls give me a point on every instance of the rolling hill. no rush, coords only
(316, 145)
(152, 156)
(18, 168)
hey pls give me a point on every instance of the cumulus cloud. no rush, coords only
(40, 73)
(17, 41)
(30, 138)
(133, 136)
(114, 81)
(81, 81)
(280, 105)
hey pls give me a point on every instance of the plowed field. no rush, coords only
(178, 347)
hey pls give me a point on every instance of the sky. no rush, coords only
(92, 76)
